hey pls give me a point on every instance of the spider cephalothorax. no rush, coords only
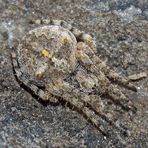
(50, 54)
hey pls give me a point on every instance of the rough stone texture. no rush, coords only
(120, 28)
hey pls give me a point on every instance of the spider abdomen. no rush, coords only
(48, 51)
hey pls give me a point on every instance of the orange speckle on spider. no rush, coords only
(45, 53)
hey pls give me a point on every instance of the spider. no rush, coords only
(56, 61)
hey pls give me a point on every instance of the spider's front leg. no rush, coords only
(25, 80)
(85, 56)
(101, 66)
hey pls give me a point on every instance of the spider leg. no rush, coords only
(112, 75)
(90, 114)
(74, 97)
(105, 85)
(113, 92)
(94, 102)
(25, 80)
(89, 59)
(87, 104)
(62, 23)
(118, 97)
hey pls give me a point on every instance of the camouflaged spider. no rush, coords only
(64, 61)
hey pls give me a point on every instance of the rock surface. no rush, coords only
(120, 29)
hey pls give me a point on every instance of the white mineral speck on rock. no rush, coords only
(129, 13)
(7, 27)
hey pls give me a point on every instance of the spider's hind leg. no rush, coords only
(90, 105)
(88, 113)
(94, 102)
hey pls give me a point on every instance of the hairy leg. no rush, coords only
(113, 92)
(90, 114)
(89, 59)
(105, 86)
(82, 101)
